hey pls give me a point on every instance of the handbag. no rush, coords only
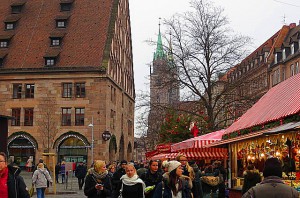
(211, 180)
(31, 191)
(120, 195)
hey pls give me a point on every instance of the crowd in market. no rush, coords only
(178, 178)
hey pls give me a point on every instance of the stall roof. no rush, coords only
(198, 142)
(279, 102)
(283, 128)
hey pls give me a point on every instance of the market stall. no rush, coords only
(270, 128)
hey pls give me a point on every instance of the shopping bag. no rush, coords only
(31, 191)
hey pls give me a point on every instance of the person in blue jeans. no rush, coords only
(39, 179)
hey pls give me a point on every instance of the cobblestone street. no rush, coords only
(63, 190)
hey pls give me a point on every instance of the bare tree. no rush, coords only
(48, 127)
(203, 49)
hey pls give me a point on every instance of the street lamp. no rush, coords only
(92, 126)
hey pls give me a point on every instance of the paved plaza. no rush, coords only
(63, 190)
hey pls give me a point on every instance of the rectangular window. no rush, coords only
(65, 6)
(49, 61)
(16, 114)
(3, 44)
(66, 117)
(28, 117)
(9, 26)
(61, 23)
(292, 48)
(297, 68)
(130, 128)
(283, 54)
(55, 41)
(292, 70)
(79, 116)
(67, 90)
(80, 90)
(29, 91)
(16, 9)
(112, 119)
(17, 90)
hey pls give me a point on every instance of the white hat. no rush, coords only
(173, 165)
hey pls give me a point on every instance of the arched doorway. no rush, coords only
(129, 151)
(21, 145)
(121, 148)
(72, 147)
(112, 148)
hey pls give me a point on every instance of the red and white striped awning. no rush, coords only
(198, 142)
(206, 153)
(162, 156)
(279, 102)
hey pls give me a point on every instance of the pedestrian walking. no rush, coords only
(111, 170)
(174, 183)
(39, 180)
(57, 172)
(63, 171)
(251, 178)
(80, 173)
(151, 177)
(272, 185)
(131, 185)
(97, 181)
(12, 184)
(117, 176)
(29, 164)
(219, 171)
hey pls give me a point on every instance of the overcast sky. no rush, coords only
(258, 19)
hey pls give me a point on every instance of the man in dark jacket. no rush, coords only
(272, 185)
(251, 178)
(80, 173)
(12, 184)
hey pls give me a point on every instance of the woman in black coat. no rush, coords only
(251, 178)
(97, 182)
(132, 186)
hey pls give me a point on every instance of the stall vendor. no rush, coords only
(288, 164)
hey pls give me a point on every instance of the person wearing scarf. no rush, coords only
(97, 181)
(132, 186)
(174, 183)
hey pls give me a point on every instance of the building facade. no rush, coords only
(66, 76)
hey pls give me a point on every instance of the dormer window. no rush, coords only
(55, 41)
(51, 58)
(276, 58)
(4, 43)
(61, 23)
(16, 7)
(283, 54)
(292, 48)
(10, 26)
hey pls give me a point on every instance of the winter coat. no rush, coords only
(80, 171)
(40, 178)
(91, 192)
(116, 177)
(206, 188)
(150, 180)
(134, 191)
(197, 186)
(272, 186)
(16, 185)
(251, 178)
(167, 193)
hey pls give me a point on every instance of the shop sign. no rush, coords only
(106, 135)
(164, 148)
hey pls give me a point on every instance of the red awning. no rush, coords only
(164, 156)
(198, 142)
(279, 102)
(206, 153)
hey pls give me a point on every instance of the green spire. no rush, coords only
(159, 54)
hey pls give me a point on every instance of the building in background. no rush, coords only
(66, 76)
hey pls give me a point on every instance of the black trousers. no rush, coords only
(80, 183)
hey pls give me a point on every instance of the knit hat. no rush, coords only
(173, 165)
(272, 168)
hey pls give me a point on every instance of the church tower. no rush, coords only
(164, 87)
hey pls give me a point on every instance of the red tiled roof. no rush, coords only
(279, 102)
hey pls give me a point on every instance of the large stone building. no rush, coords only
(66, 75)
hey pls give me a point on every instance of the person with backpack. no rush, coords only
(39, 179)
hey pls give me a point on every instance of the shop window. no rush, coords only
(80, 90)
(16, 114)
(28, 117)
(29, 91)
(79, 116)
(17, 91)
(67, 90)
(66, 117)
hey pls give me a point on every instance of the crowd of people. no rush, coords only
(178, 178)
